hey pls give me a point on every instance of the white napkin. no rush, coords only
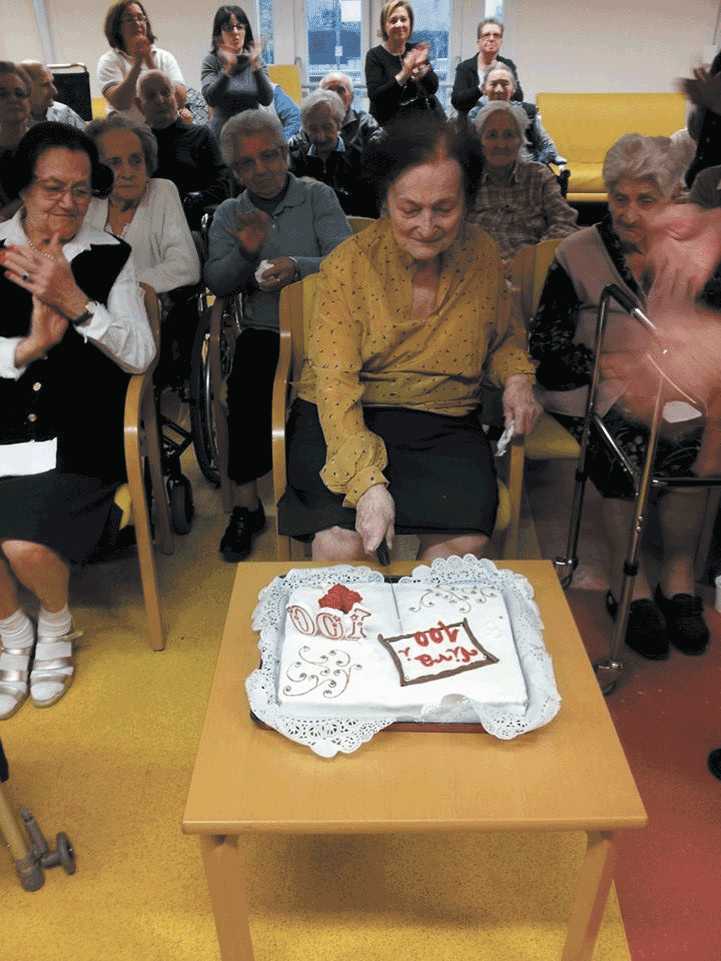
(505, 439)
(261, 269)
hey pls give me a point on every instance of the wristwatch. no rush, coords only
(296, 275)
(90, 308)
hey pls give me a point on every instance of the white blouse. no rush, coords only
(164, 252)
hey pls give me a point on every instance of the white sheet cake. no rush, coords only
(378, 649)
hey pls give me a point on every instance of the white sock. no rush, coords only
(54, 624)
(17, 630)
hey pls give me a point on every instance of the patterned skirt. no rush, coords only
(674, 457)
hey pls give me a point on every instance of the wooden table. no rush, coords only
(569, 776)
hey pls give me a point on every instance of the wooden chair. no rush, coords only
(357, 224)
(142, 447)
(296, 310)
(549, 441)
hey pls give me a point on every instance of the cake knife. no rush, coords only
(383, 554)
(398, 613)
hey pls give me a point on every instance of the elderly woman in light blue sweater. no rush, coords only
(277, 231)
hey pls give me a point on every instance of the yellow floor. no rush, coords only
(110, 765)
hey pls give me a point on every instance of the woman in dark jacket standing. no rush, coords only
(399, 77)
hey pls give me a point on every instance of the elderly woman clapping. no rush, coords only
(410, 315)
(518, 202)
(72, 329)
(642, 176)
(276, 232)
(321, 153)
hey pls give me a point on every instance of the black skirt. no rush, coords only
(440, 474)
(69, 513)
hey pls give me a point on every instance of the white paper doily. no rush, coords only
(330, 735)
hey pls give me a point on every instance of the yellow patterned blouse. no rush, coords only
(365, 348)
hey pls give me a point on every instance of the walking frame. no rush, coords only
(31, 860)
(609, 671)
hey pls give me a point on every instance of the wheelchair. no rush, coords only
(173, 372)
(211, 360)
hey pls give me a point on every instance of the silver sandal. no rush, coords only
(52, 665)
(14, 670)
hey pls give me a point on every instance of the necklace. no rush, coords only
(43, 251)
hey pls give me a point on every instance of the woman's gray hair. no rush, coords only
(249, 123)
(500, 68)
(645, 158)
(514, 110)
(322, 98)
(98, 128)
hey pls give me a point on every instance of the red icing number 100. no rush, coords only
(327, 624)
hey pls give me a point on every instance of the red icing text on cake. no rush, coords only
(441, 651)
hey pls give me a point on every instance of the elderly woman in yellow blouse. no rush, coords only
(410, 315)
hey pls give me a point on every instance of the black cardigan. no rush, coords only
(386, 95)
(466, 92)
(76, 393)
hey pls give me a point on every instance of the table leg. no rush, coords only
(227, 884)
(593, 888)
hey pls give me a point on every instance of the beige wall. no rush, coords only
(613, 45)
(557, 44)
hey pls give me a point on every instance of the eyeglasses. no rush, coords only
(247, 165)
(139, 19)
(232, 27)
(491, 36)
(54, 190)
(18, 93)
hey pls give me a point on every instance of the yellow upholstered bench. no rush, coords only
(288, 76)
(100, 108)
(585, 125)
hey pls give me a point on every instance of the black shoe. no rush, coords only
(237, 542)
(646, 629)
(714, 763)
(684, 622)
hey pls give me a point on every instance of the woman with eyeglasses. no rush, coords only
(277, 231)
(232, 76)
(132, 53)
(147, 213)
(72, 330)
(14, 123)
(470, 74)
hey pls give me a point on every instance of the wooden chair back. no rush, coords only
(142, 446)
(357, 224)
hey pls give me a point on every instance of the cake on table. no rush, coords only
(396, 649)
(346, 652)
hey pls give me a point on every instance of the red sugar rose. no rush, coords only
(341, 598)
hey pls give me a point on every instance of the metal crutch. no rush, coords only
(609, 670)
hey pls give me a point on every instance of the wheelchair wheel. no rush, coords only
(203, 390)
(182, 511)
